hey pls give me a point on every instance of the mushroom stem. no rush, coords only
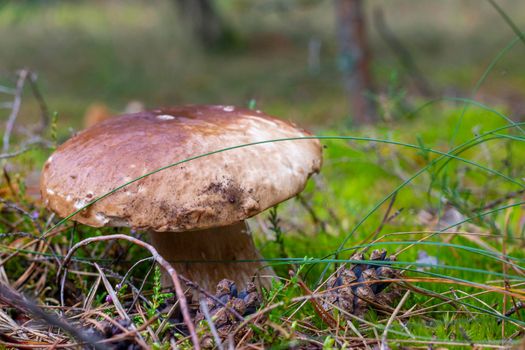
(210, 255)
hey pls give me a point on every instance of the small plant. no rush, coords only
(158, 298)
(54, 129)
(277, 231)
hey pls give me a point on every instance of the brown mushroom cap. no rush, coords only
(215, 190)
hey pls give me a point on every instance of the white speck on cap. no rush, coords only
(165, 117)
(50, 191)
(80, 204)
(228, 108)
(103, 219)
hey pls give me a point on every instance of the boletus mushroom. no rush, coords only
(194, 212)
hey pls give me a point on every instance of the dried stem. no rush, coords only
(325, 316)
(22, 76)
(391, 319)
(206, 312)
(385, 220)
(44, 110)
(16, 300)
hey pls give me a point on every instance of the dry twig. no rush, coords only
(13, 298)
(211, 324)
(325, 316)
(391, 319)
(22, 76)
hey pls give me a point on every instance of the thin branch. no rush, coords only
(44, 110)
(206, 312)
(495, 203)
(6, 90)
(391, 320)
(16, 300)
(22, 76)
(19, 234)
(15, 153)
(386, 218)
(160, 260)
(25, 147)
(17, 208)
(311, 212)
(322, 313)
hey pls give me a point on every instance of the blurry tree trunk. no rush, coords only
(204, 20)
(355, 59)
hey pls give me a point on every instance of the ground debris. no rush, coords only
(225, 308)
(107, 330)
(355, 288)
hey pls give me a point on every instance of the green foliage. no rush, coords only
(158, 297)
(54, 127)
(277, 231)
(329, 343)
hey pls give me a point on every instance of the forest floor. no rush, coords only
(447, 202)
(438, 183)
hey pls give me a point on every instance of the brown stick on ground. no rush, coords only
(22, 76)
(160, 260)
(18, 301)
(325, 316)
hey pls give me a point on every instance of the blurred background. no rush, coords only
(322, 63)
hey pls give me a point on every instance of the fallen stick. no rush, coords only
(18, 301)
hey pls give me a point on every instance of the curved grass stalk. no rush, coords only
(406, 182)
(354, 138)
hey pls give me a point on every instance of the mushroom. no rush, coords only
(195, 211)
